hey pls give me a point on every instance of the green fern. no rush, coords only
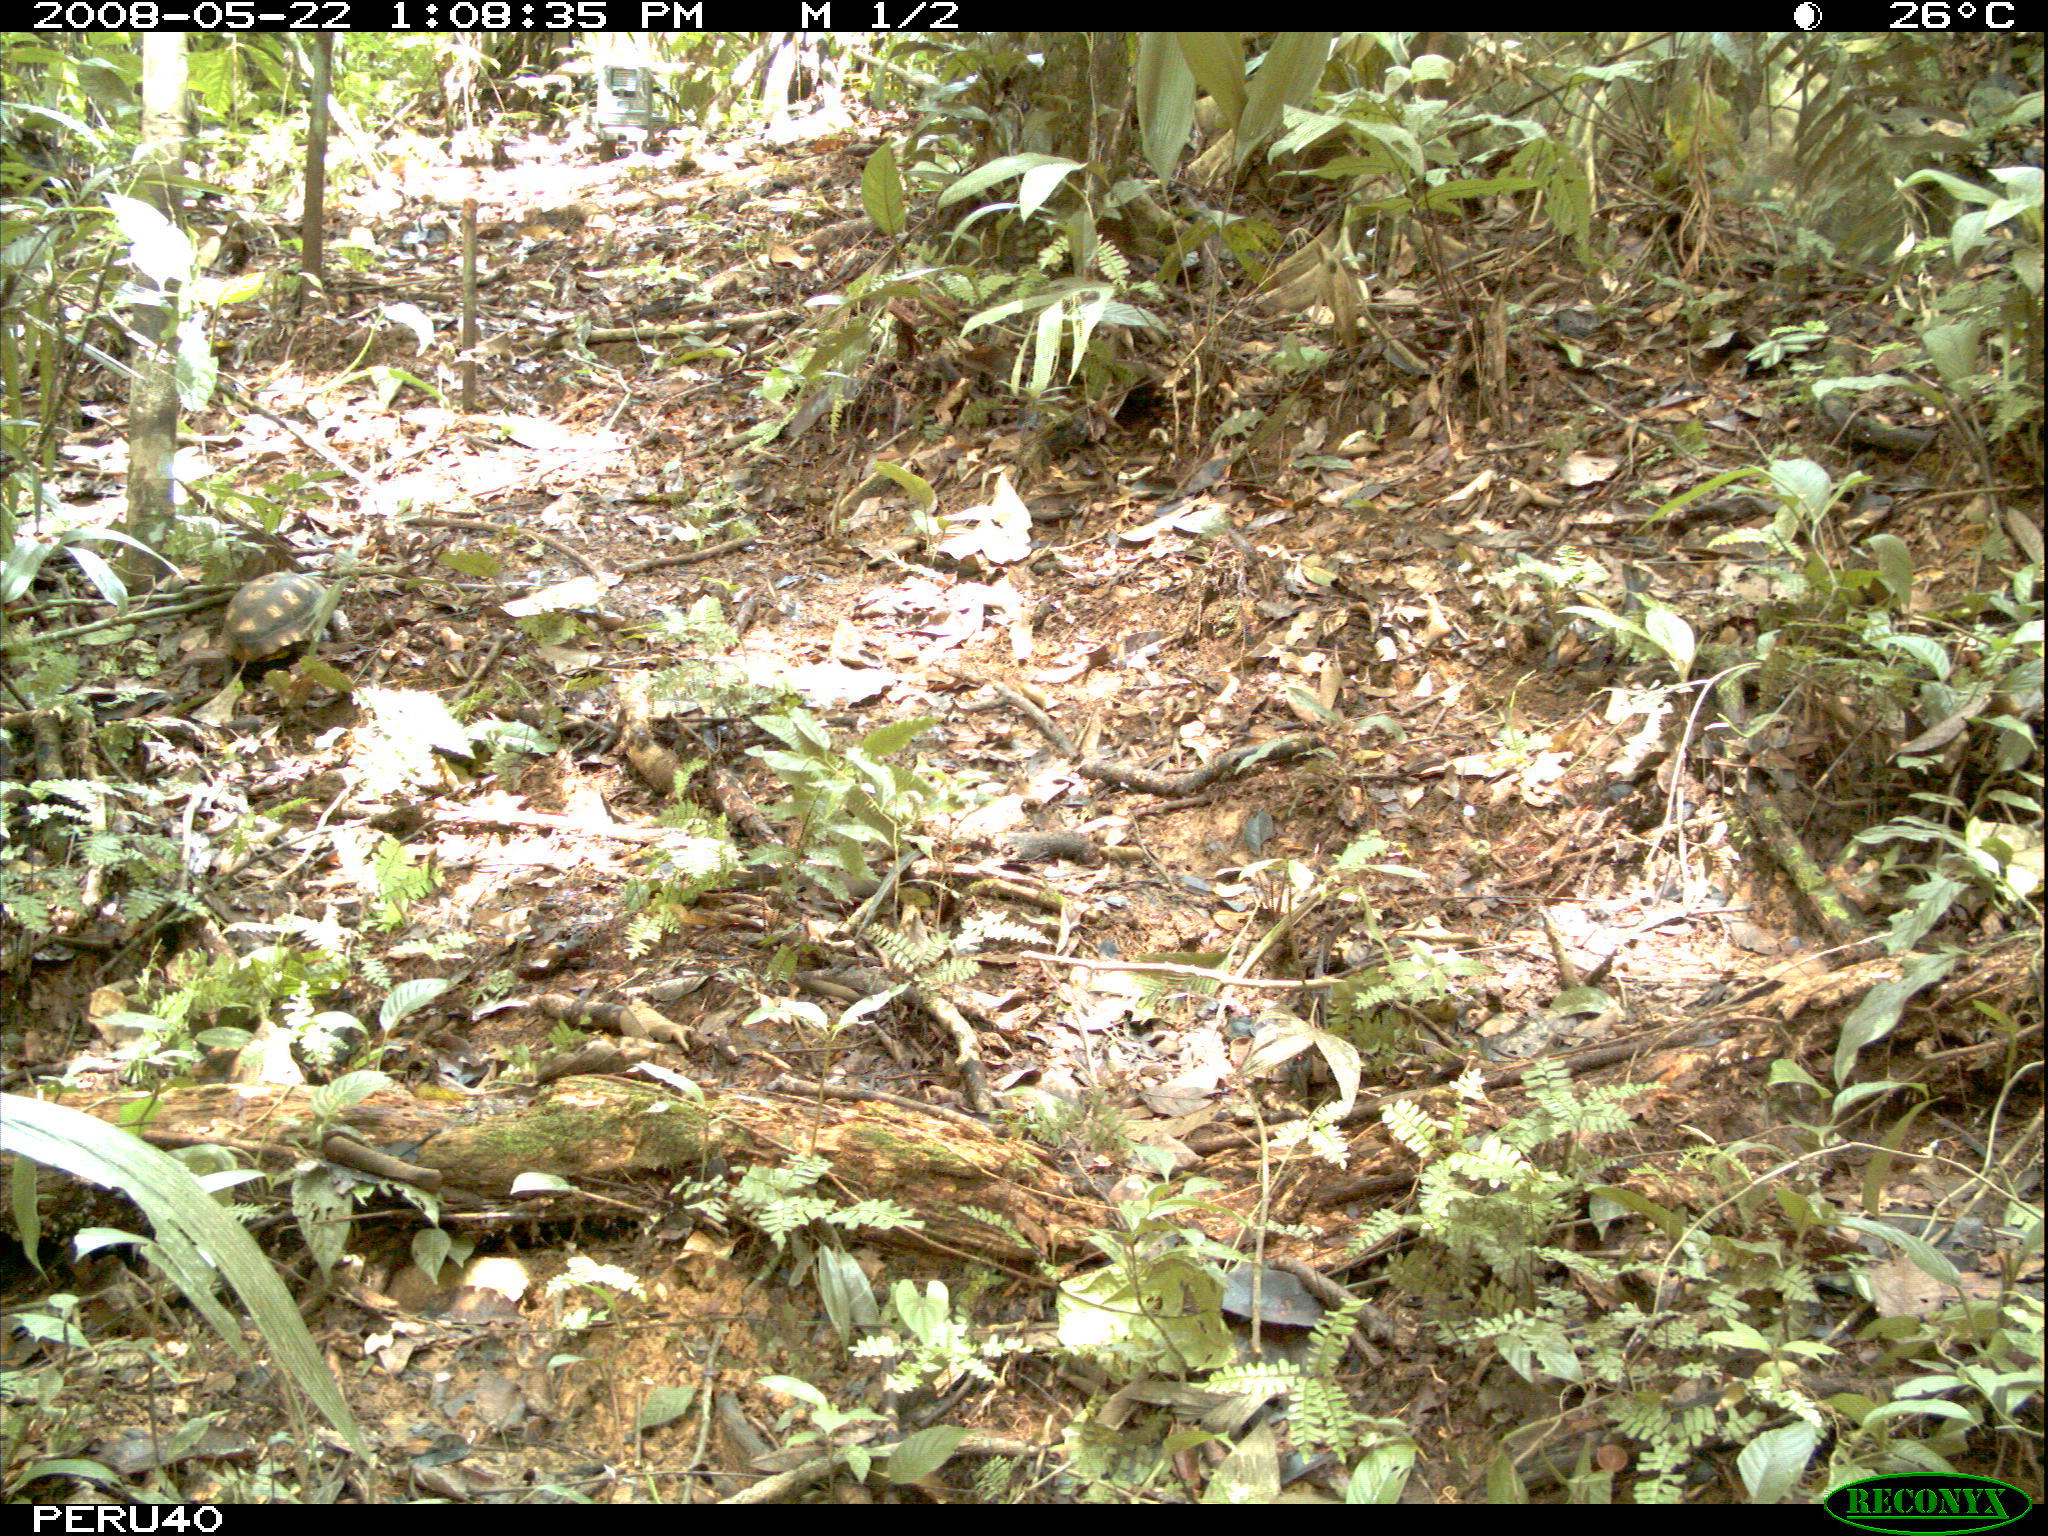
(401, 881)
(783, 1201)
(680, 872)
(988, 927)
(1676, 1378)
(927, 959)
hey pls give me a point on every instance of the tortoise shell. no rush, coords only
(272, 614)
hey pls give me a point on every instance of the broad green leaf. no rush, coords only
(195, 1236)
(881, 190)
(1286, 77)
(1216, 60)
(1166, 102)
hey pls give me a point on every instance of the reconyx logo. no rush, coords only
(1927, 1502)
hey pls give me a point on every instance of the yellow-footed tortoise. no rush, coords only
(272, 615)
